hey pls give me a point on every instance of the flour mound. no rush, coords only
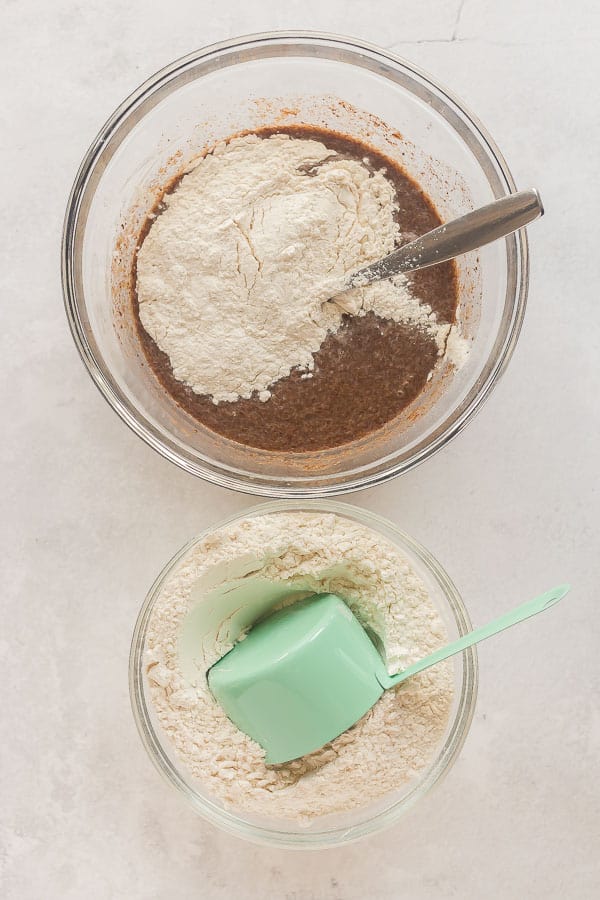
(234, 275)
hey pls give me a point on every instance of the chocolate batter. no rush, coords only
(365, 374)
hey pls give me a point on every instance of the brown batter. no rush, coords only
(365, 374)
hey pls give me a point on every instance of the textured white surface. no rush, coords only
(89, 512)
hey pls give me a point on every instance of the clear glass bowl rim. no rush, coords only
(261, 485)
(235, 824)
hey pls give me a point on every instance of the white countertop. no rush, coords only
(89, 513)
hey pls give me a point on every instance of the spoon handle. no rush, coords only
(473, 230)
(531, 608)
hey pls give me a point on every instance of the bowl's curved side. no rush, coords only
(211, 59)
(300, 838)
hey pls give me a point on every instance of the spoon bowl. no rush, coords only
(301, 676)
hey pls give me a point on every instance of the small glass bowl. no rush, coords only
(271, 79)
(333, 830)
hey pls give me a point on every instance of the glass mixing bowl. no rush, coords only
(270, 79)
(332, 830)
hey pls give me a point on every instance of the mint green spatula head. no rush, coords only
(309, 672)
(299, 678)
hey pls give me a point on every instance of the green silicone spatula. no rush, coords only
(308, 672)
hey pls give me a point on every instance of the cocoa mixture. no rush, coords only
(365, 374)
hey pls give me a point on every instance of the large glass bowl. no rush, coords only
(271, 79)
(333, 830)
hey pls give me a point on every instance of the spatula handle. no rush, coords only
(531, 608)
(469, 232)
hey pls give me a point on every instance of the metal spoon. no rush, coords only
(475, 229)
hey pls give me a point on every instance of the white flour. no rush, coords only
(233, 276)
(301, 552)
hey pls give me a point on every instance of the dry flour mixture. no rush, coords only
(233, 276)
(236, 574)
